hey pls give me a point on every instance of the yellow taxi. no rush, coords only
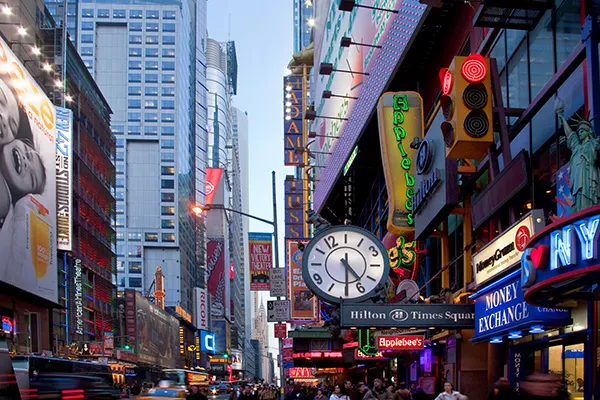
(161, 393)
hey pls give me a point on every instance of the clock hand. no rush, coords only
(348, 267)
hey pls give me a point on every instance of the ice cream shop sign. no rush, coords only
(561, 260)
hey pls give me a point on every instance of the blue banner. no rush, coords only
(500, 308)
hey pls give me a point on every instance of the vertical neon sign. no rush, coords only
(77, 281)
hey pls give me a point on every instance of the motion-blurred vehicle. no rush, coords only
(212, 389)
(224, 388)
(163, 393)
(183, 378)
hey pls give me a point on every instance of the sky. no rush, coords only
(263, 32)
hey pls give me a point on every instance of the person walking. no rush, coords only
(403, 393)
(195, 394)
(338, 394)
(450, 394)
(420, 394)
(350, 391)
(502, 390)
(320, 395)
(378, 392)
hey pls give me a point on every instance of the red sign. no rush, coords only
(280, 331)
(288, 343)
(305, 305)
(359, 355)
(231, 272)
(351, 345)
(260, 248)
(213, 177)
(319, 354)
(288, 354)
(215, 268)
(399, 342)
(301, 373)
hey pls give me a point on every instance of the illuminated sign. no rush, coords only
(208, 342)
(295, 204)
(293, 125)
(64, 179)
(400, 118)
(78, 284)
(319, 354)
(219, 360)
(403, 255)
(260, 248)
(350, 160)
(301, 372)
(181, 341)
(399, 342)
(197, 349)
(213, 178)
(350, 345)
(359, 355)
(183, 314)
(7, 324)
(201, 317)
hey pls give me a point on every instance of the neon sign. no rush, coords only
(319, 354)
(563, 243)
(403, 255)
(400, 107)
(77, 281)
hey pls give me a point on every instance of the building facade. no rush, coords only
(303, 23)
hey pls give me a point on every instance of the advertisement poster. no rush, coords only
(157, 334)
(213, 178)
(215, 269)
(236, 360)
(64, 178)
(305, 305)
(260, 247)
(27, 181)
(222, 334)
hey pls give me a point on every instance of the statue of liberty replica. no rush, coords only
(584, 171)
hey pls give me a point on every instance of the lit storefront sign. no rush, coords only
(78, 285)
(360, 356)
(319, 354)
(350, 345)
(505, 251)
(64, 178)
(399, 342)
(197, 349)
(7, 325)
(183, 314)
(300, 372)
(181, 341)
(208, 342)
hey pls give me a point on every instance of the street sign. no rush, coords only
(278, 310)
(277, 280)
(280, 331)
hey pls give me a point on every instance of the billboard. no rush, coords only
(260, 247)
(304, 305)
(213, 178)
(220, 328)
(202, 310)
(157, 334)
(27, 181)
(215, 269)
(236, 359)
(293, 123)
(207, 342)
(64, 178)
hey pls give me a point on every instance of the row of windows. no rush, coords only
(150, 27)
(135, 14)
(149, 237)
(134, 116)
(151, 52)
(151, 91)
(152, 65)
(149, 130)
(150, 103)
(150, 78)
(164, 157)
(164, 184)
(150, 39)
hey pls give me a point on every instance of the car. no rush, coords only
(224, 388)
(161, 393)
(213, 390)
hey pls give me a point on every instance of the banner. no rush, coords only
(213, 178)
(260, 247)
(202, 311)
(236, 359)
(295, 208)
(215, 270)
(27, 181)
(293, 136)
(64, 178)
(304, 304)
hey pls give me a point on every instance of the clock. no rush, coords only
(345, 264)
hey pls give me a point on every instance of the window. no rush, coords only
(167, 184)
(121, 249)
(167, 170)
(167, 104)
(167, 117)
(87, 12)
(168, 237)
(135, 39)
(168, 78)
(87, 38)
(167, 198)
(134, 250)
(121, 193)
(168, 14)
(135, 77)
(150, 103)
(151, 64)
(168, 27)
(134, 130)
(136, 14)
(120, 222)
(151, 39)
(167, 210)
(151, 78)
(151, 52)
(103, 13)
(120, 182)
(134, 103)
(134, 90)
(117, 129)
(134, 236)
(168, 65)
(87, 51)
(151, 14)
(168, 91)
(120, 237)
(135, 267)
(118, 13)
(120, 264)
(168, 53)
(168, 223)
(135, 64)
(122, 281)
(167, 130)
(151, 237)
(88, 63)
(135, 282)
(167, 144)
(120, 156)
(134, 116)
(151, 91)
(135, 26)
(167, 157)
(151, 117)
(120, 144)
(152, 27)
(135, 52)
(87, 26)
(168, 39)
(150, 130)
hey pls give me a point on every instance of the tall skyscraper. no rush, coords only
(140, 55)
(303, 23)
(260, 332)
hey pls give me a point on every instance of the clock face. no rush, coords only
(345, 263)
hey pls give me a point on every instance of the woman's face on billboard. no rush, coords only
(22, 168)
(9, 114)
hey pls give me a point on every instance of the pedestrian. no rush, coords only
(320, 395)
(338, 394)
(195, 394)
(378, 392)
(350, 391)
(136, 388)
(502, 390)
(362, 389)
(542, 386)
(413, 388)
(419, 394)
(295, 393)
(234, 395)
(450, 394)
(247, 394)
(403, 393)
(391, 389)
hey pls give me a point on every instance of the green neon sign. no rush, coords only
(350, 160)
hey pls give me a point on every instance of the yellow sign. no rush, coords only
(184, 314)
(400, 117)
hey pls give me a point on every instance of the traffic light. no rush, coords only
(225, 355)
(127, 347)
(467, 107)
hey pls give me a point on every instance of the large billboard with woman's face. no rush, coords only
(27, 181)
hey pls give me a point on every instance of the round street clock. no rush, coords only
(345, 264)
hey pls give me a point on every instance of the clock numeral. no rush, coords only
(360, 242)
(317, 278)
(331, 287)
(375, 253)
(330, 242)
(360, 287)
